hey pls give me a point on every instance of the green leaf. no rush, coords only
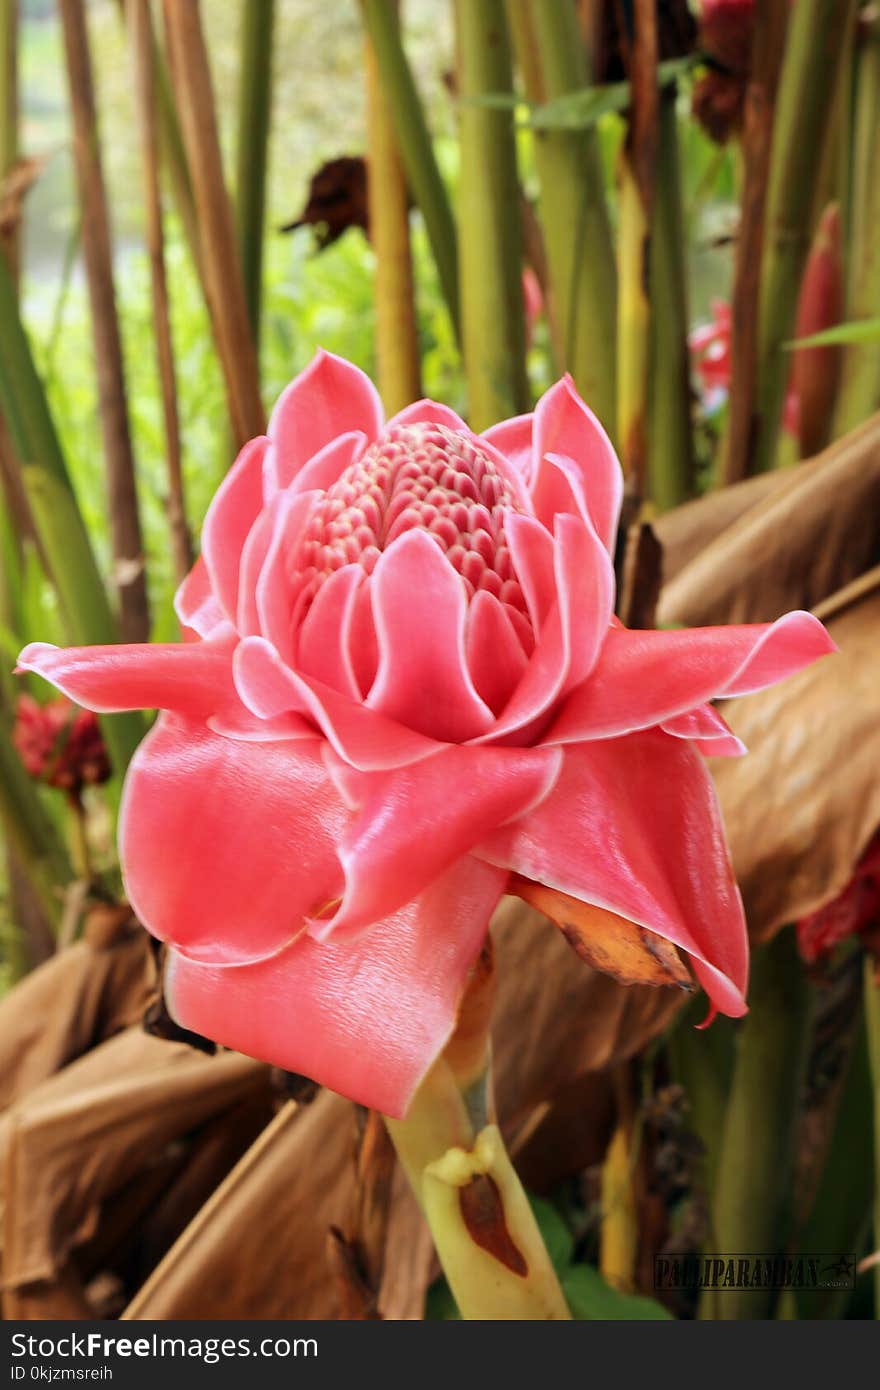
(592, 1300)
(859, 331)
(581, 110)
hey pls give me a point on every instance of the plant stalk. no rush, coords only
(254, 112)
(752, 1206)
(818, 33)
(872, 1022)
(397, 341)
(417, 152)
(490, 235)
(572, 207)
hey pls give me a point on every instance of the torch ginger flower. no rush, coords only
(403, 682)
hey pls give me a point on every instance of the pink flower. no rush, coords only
(60, 745)
(402, 682)
(710, 350)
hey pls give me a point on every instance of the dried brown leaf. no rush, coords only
(814, 533)
(801, 808)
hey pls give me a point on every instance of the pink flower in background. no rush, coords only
(710, 350)
(60, 745)
(403, 682)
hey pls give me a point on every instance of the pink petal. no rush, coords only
(324, 469)
(198, 609)
(633, 826)
(194, 678)
(513, 439)
(331, 397)
(708, 730)
(495, 655)
(323, 647)
(414, 822)
(428, 413)
(646, 678)
(573, 634)
(531, 553)
(361, 736)
(420, 608)
(565, 425)
(365, 1017)
(273, 594)
(236, 506)
(226, 847)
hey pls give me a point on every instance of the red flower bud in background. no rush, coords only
(60, 744)
(816, 371)
(854, 912)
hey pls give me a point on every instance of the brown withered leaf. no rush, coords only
(15, 187)
(627, 952)
(72, 1002)
(686, 530)
(337, 200)
(813, 534)
(801, 808)
(76, 1140)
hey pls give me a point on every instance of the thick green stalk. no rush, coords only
(818, 33)
(398, 373)
(751, 1211)
(702, 1063)
(859, 393)
(670, 443)
(872, 1021)
(490, 237)
(416, 150)
(573, 211)
(254, 109)
(841, 1212)
(63, 536)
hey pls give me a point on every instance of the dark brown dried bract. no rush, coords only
(482, 1212)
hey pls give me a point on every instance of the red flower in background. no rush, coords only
(710, 350)
(854, 912)
(60, 744)
(403, 682)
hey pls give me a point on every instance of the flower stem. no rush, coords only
(487, 1237)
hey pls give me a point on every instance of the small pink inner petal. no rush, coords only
(565, 425)
(495, 655)
(323, 650)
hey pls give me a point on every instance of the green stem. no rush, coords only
(753, 1194)
(670, 443)
(416, 150)
(840, 1216)
(57, 518)
(817, 37)
(254, 107)
(490, 240)
(702, 1063)
(572, 207)
(859, 394)
(872, 1021)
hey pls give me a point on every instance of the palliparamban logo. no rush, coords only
(797, 1272)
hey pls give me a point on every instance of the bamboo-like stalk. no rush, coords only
(129, 575)
(416, 151)
(670, 439)
(841, 1211)
(490, 237)
(859, 392)
(636, 206)
(254, 109)
(619, 1229)
(397, 342)
(872, 1022)
(9, 111)
(191, 78)
(64, 539)
(141, 34)
(752, 1198)
(768, 44)
(572, 206)
(818, 33)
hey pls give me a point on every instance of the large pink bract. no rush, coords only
(402, 680)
